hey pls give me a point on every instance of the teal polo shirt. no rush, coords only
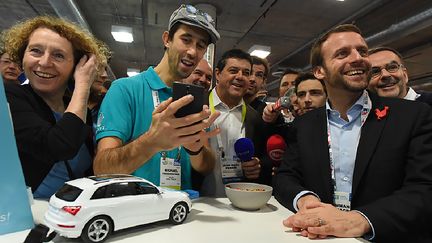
(126, 113)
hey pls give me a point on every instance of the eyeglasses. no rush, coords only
(192, 10)
(390, 67)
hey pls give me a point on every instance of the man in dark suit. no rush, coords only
(370, 172)
(257, 82)
(237, 120)
(390, 76)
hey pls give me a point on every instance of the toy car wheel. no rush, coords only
(179, 213)
(97, 229)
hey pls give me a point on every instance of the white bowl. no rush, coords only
(248, 196)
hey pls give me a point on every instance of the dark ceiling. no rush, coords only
(287, 26)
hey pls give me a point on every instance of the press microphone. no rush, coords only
(276, 147)
(244, 149)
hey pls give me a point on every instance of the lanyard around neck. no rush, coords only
(212, 106)
(156, 99)
(363, 116)
(218, 136)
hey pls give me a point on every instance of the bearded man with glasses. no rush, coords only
(389, 76)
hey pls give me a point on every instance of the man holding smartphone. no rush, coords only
(137, 131)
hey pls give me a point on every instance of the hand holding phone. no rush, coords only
(182, 89)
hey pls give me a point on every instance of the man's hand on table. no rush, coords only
(320, 220)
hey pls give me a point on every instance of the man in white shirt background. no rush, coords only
(237, 120)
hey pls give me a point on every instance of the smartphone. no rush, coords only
(182, 89)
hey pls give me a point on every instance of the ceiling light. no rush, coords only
(122, 33)
(132, 72)
(277, 73)
(260, 51)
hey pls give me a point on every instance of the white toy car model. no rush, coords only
(95, 206)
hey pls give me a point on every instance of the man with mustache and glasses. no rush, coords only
(360, 166)
(390, 76)
(137, 131)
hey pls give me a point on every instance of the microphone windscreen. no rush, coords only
(244, 149)
(276, 147)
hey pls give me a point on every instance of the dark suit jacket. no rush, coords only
(253, 125)
(258, 132)
(392, 180)
(425, 97)
(41, 141)
(258, 105)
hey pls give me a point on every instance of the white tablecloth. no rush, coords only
(211, 220)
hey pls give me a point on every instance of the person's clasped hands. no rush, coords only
(315, 219)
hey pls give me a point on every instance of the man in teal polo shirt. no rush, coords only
(137, 132)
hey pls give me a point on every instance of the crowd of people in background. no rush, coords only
(359, 156)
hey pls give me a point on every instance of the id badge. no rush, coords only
(170, 173)
(342, 200)
(231, 170)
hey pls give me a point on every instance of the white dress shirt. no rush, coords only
(231, 129)
(411, 94)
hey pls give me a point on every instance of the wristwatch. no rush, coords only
(194, 152)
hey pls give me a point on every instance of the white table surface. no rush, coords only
(211, 220)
